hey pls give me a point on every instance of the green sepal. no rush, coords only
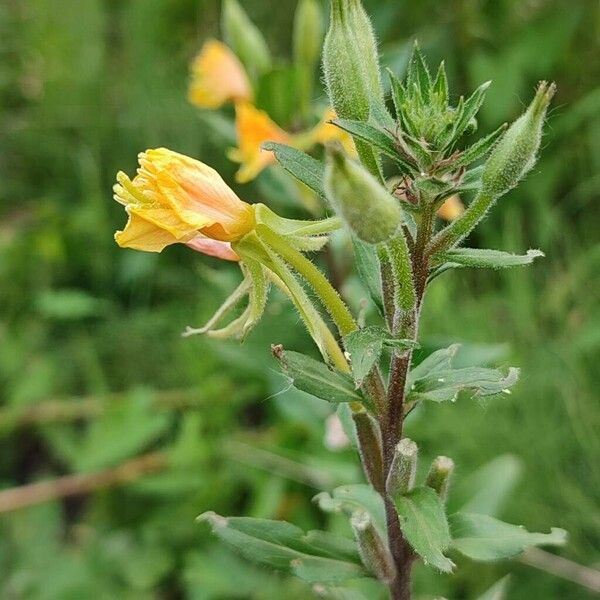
(484, 538)
(303, 167)
(425, 526)
(316, 378)
(258, 293)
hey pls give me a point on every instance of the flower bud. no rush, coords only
(367, 207)
(246, 40)
(515, 153)
(350, 61)
(373, 552)
(401, 477)
(439, 476)
(308, 33)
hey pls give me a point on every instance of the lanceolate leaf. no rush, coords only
(445, 386)
(367, 265)
(371, 135)
(484, 258)
(484, 538)
(364, 347)
(497, 591)
(314, 377)
(303, 167)
(470, 109)
(479, 149)
(440, 360)
(348, 498)
(316, 556)
(424, 525)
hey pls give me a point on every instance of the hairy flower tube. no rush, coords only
(218, 77)
(176, 199)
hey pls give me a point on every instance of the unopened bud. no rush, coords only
(308, 33)
(371, 212)
(244, 37)
(439, 476)
(402, 473)
(373, 552)
(516, 152)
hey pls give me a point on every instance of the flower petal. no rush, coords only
(140, 234)
(214, 248)
(217, 77)
(254, 128)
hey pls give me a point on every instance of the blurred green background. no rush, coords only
(94, 373)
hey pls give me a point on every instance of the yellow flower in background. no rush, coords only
(217, 77)
(451, 209)
(176, 199)
(325, 133)
(254, 128)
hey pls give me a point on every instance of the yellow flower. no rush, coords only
(217, 77)
(324, 133)
(176, 199)
(451, 209)
(255, 127)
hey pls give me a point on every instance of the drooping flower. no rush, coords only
(255, 127)
(218, 77)
(451, 209)
(176, 199)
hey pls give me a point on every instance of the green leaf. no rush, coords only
(445, 386)
(470, 109)
(348, 498)
(365, 347)
(315, 569)
(331, 545)
(371, 135)
(424, 524)
(418, 74)
(479, 149)
(440, 85)
(486, 259)
(440, 360)
(484, 538)
(314, 377)
(303, 167)
(486, 490)
(284, 546)
(367, 265)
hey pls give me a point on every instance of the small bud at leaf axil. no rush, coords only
(401, 477)
(439, 476)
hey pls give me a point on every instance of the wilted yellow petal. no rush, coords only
(140, 234)
(217, 77)
(254, 128)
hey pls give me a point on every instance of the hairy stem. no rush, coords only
(406, 324)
